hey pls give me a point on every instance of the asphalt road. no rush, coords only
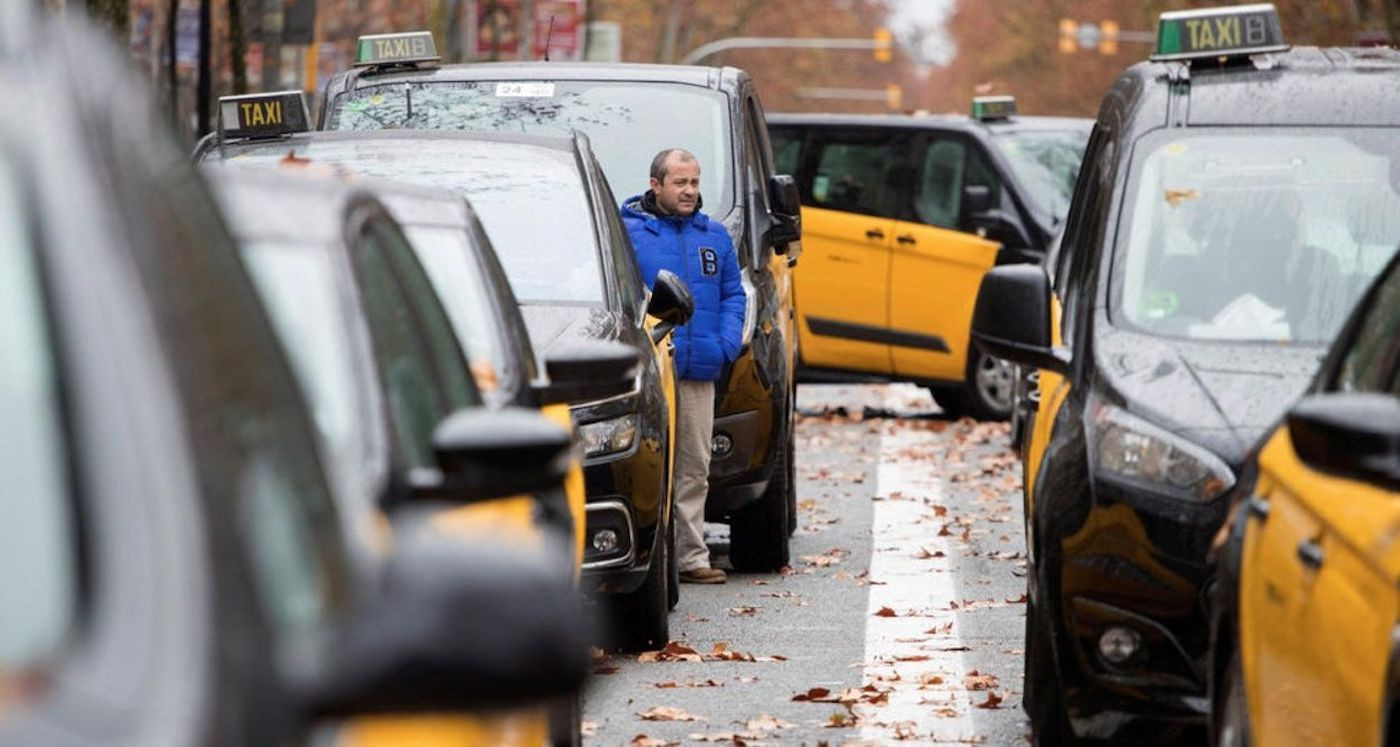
(901, 619)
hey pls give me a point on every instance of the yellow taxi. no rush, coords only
(902, 217)
(1307, 635)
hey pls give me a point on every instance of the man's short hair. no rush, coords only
(658, 164)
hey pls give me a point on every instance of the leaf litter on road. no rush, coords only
(667, 713)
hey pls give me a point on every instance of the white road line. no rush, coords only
(922, 641)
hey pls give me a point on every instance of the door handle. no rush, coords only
(875, 233)
(907, 239)
(1258, 508)
(1310, 553)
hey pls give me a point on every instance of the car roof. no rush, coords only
(693, 75)
(960, 122)
(1305, 85)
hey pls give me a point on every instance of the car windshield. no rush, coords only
(297, 285)
(1046, 163)
(530, 200)
(444, 253)
(626, 123)
(1266, 236)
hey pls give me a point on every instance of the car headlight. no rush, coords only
(608, 436)
(1131, 450)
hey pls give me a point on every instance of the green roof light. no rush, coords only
(993, 107)
(396, 49)
(1219, 32)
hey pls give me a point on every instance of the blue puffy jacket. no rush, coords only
(699, 251)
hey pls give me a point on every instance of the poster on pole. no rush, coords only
(558, 29)
(496, 26)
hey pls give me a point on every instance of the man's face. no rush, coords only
(679, 193)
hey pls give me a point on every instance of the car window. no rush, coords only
(626, 122)
(853, 172)
(1046, 163)
(530, 199)
(405, 359)
(1266, 236)
(38, 555)
(299, 288)
(452, 373)
(787, 150)
(631, 291)
(1372, 362)
(942, 175)
(460, 285)
(1078, 243)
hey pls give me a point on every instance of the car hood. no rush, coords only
(551, 325)
(1221, 395)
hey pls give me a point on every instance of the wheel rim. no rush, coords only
(995, 383)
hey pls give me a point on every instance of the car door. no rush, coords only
(935, 268)
(842, 283)
(1318, 596)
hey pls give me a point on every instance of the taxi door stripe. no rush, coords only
(881, 335)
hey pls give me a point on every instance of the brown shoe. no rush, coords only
(703, 576)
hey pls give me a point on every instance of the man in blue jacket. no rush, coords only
(670, 233)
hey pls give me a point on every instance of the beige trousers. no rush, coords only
(695, 419)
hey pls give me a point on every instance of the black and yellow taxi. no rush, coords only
(902, 216)
(549, 215)
(1306, 641)
(1236, 198)
(629, 113)
(176, 566)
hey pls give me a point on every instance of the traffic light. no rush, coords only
(1108, 41)
(884, 45)
(894, 96)
(1069, 33)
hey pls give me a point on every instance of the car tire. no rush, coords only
(758, 532)
(566, 722)
(989, 388)
(1041, 687)
(1231, 728)
(640, 621)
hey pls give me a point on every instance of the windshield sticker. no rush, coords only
(525, 90)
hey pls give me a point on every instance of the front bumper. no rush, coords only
(1140, 564)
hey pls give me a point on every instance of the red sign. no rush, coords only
(497, 34)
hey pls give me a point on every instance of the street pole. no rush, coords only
(206, 62)
(172, 20)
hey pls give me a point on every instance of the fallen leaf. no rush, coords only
(906, 730)
(674, 651)
(609, 669)
(667, 713)
(728, 737)
(747, 680)
(1018, 600)
(588, 728)
(975, 680)
(929, 679)
(814, 695)
(943, 629)
(692, 617)
(925, 554)
(911, 657)
(764, 722)
(993, 701)
(642, 740)
(744, 611)
(820, 561)
(886, 612)
(840, 720)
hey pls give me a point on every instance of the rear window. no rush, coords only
(530, 199)
(627, 123)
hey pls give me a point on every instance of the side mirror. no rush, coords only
(484, 453)
(1353, 435)
(586, 370)
(453, 627)
(787, 212)
(671, 302)
(1012, 317)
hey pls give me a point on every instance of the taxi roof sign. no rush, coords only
(396, 49)
(260, 115)
(1219, 32)
(993, 107)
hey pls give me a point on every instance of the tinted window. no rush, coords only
(787, 150)
(38, 572)
(938, 198)
(627, 123)
(852, 173)
(1372, 363)
(530, 199)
